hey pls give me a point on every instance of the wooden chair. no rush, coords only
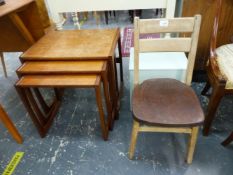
(219, 71)
(10, 126)
(166, 105)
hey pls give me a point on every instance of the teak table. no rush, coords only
(76, 46)
(20, 26)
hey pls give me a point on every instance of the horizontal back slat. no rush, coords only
(165, 44)
(166, 25)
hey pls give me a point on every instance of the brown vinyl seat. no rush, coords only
(166, 102)
(166, 105)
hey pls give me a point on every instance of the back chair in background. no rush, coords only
(219, 71)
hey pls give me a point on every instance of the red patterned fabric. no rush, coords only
(128, 40)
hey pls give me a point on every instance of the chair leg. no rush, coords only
(10, 126)
(97, 18)
(214, 101)
(134, 136)
(228, 140)
(106, 16)
(3, 64)
(191, 145)
(206, 88)
(101, 113)
(85, 15)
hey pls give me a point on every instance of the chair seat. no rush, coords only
(225, 62)
(166, 102)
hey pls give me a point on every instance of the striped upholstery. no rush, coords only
(225, 62)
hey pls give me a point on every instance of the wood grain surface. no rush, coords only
(208, 9)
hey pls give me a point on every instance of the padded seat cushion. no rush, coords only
(225, 62)
(166, 102)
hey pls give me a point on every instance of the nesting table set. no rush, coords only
(71, 58)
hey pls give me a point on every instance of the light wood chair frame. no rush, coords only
(10, 126)
(187, 44)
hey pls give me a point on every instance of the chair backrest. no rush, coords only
(213, 41)
(174, 44)
(56, 7)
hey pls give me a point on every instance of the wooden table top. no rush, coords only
(74, 44)
(12, 5)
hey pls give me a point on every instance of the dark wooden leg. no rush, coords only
(156, 12)
(117, 90)
(10, 126)
(215, 98)
(40, 116)
(101, 113)
(112, 86)
(131, 15)
(23, 96)
(41, 100)
(116, 77)
(228, 140)
(120, 59)
(206, 88)
(59, 93)
(42, 121)
(106, 16)
(3, 64)
(107, 100)
(138, 13)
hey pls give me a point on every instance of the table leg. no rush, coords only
(42, 121)
(22, 28)
(104, 126)
(112, 85)
(107, 100)
(75, 20)
(41, 100)
(120, 59)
